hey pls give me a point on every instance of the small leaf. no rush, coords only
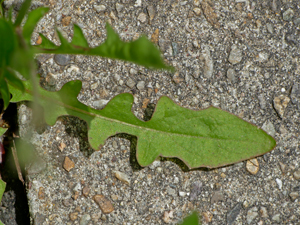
(4, 93)
(13, 79)
(2, 188)
(33, 18)
(205, 138)
(2, 131)
(191, 220)
(7, 42)
(141, 51)
(24, 8)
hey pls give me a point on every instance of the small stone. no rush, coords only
(235, 55)
(41, 194)
(100, 104)
(171, 191)
(197, 11)
(280, 104)
(84, 220)
(154, 36)
(264, 213)
(282, 167)
(182, 193)
(245, 204)
(62, 146)
(112, 15)
(68, 164)
(151, 12)
(233, 213)
(196, 188)
(288, 15)
(75, 195)
(50, 79)
(119, 7)
(252, 166)
(207, 216)
(276, 218)
(86, 191)
(94, 85)
(122, 177)
(167, 216)
(62, 60)
(175, 48)
(142, 17)
(251, 215)
(145, 103)
(66, 20)
(130, 83)
(297, 174)
(104, 203)
(295, 93)
(262, 57)
(279, 183)
(114, 197)
(297, 21)
(231, 75)
(99, 8)
(39, 40)
(294, 195)
(208, 64)
(138, 3)
(67, 202)
(216, 197)
(270, 28)
(209, 13)
(141, 85)
(73, 216)
(269, 128)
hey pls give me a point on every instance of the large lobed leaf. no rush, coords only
(204, 138)
(141, 51)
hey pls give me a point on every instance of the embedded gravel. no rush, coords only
(241, 56)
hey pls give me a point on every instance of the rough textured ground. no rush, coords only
(241, 56)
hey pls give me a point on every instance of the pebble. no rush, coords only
(94, 85)
(62, 60)
(62, 146)
(297, 21)
(154, 36)
(50, 79)
(282, 167)
(41, 193)
(235, 55)
(104, 203)
(297, 174)
(233, 213)
(276, 218)
(167, 216)
(216, 197)
(269, 128)
(171, 191)
(73, 216)
(138, 3)
(142, 17)
(197, 11)
(208, 64)
(295, 93)
(279, 183)
(252, 166)
(262, 57)
(84, 220)
(196, 188)
(141, 85)
(262, 101)
(231, 75)
(209, 13)
(68, 164)
(288, 15)
(182, 193)
(175, 48)
(119, 7)
(207, 216)
(263, 212)
(251, 215)
(270, 28)
(122, 177)
(99, 8)
(151, 12)
(86, 191)
(280, 104)
(130, 83)
(66, 20)
(100, 104)
(294, 195)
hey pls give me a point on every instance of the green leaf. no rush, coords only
(33, 18)
(2, 130)
(4, 93)
(141, 51)
(7, 42)
(13, 79)
(2, 189)
(24, 8)
(205, 138)
(191, 220)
